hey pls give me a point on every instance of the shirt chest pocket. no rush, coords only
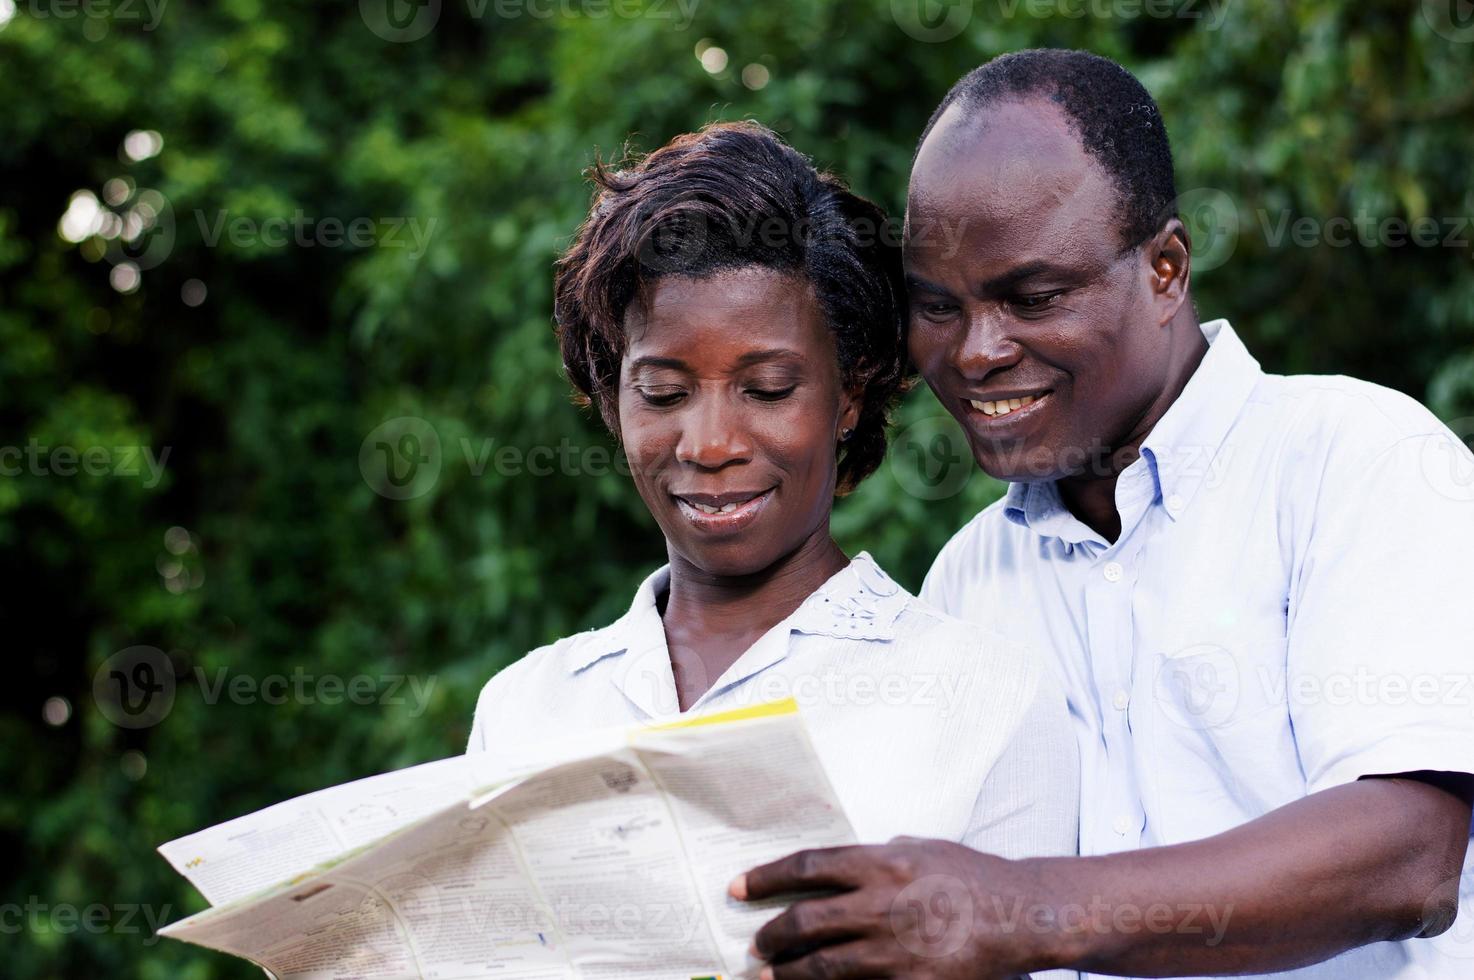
(1220, 749)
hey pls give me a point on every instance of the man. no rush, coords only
(1256, 590)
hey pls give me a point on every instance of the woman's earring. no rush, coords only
(845, 433)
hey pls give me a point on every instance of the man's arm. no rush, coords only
(1377, 859)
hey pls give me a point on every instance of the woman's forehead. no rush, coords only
(726, 316)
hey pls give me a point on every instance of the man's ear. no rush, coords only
(1170, 254)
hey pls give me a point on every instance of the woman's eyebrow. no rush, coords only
(651, 361)
(772, 354)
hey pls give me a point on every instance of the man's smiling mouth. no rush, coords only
(1006, 404)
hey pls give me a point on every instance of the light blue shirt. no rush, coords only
(1289, 606)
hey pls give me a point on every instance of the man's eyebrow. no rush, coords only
(1005, 282)
(919, 285)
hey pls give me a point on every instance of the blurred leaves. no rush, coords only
(266, 394)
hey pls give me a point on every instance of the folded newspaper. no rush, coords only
(607, 856)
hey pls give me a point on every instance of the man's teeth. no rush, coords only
(1003, 405)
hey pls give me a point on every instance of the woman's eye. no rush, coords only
(661, 396)
(771, 394)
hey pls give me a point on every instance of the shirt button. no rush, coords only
(1122, 825)
(1113, 571)
(1122, 700)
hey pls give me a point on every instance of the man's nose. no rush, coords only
(986, 346)
(713, 434)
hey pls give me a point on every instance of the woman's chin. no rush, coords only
(728, 559)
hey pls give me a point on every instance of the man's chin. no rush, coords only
(1019, 464)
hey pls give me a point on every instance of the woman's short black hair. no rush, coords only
(731, 196)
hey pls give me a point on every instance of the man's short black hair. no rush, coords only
(1115, 117)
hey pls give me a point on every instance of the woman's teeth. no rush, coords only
(705, 509)
(1003, 405)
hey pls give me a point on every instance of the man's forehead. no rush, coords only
(1013, 177)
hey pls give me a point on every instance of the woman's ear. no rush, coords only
(849, 414)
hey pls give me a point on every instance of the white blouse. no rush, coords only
(927, 726)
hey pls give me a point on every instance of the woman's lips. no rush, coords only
(722, 512)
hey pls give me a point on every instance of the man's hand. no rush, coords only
(912, 908)
(1375, 860)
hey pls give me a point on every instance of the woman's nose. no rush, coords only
(713, 434)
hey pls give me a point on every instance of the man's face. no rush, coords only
(1032, 325)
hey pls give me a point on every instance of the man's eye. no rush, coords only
(1036, 301)
(771, 394)
(938, 311)
(661, 396)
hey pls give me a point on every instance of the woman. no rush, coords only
(737, 319)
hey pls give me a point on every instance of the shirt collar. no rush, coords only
(860, 601)
(1179, 452)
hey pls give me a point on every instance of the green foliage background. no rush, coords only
(265, 394)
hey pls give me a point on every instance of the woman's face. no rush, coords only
(730, 408)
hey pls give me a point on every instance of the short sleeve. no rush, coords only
(490, 708)
(1029, 803)
(1381, 617)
